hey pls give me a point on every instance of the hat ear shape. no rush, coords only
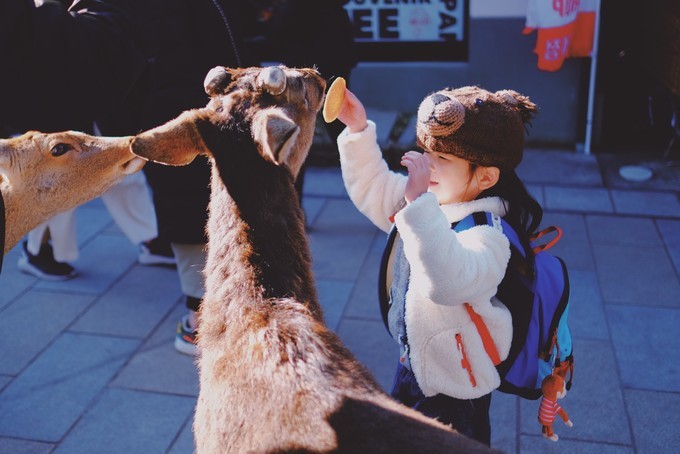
(440, 115)
(527, 109)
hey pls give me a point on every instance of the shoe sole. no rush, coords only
(186, 348)
(24, 265)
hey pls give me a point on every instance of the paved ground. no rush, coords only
(88, 366)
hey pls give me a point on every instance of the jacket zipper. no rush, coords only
(229, 32)
(464, 359)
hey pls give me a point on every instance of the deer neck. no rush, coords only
(256, 229)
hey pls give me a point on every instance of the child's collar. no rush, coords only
(456, 211)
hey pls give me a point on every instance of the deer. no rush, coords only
(272, 376)
(42, 174)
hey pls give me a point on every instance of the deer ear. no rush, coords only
(175, 143)
(276, 135)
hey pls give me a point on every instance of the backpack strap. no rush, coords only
(542, 233)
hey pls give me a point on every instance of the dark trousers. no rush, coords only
(468, 416)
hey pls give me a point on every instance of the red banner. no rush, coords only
(565, 30)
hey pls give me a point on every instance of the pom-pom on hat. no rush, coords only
(477, 125)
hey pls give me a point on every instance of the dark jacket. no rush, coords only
(306, 33)
(130, 65)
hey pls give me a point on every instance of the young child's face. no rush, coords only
(451, 180)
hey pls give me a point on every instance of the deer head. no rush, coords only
(278, 105)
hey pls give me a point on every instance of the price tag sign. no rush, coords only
(410, 30)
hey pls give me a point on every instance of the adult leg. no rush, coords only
(130, 205)
(190, 263)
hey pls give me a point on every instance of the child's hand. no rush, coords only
(418, 175)
(353, 113)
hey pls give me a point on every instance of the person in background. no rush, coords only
(128, 65)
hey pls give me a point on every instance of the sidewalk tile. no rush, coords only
(586, 316)
(655, 420)
(373, 347)
(129, 421)
(645, 342)
(557, 167)
(363, 302)
(157, 366)
(338, 255)
(536, 444)
(670, 231)
(585, 200)
(339, 240)
(13, 282)
(4, 381)
(636, 275)
(184, 444)
(341, 215)
(135, 303)
(13, 446)
(624, 231)
(536, 191)
(333, 296)
(92, 219)
(594, 397)
(312, 206)
(32, 322)
(324, 182)
(503, 420)
(50, 395)
(646, 203)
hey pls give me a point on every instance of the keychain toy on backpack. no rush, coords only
(553, 388)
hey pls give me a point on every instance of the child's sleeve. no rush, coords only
(450, 267)
(374, 189)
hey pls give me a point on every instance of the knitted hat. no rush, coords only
(477, 125)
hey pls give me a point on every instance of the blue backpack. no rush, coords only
(536, 291)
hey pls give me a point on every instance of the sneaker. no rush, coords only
(44, 265)
(185, 339)
(156, 252)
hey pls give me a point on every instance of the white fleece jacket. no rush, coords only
(447, 269)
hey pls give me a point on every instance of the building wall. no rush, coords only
(500, 57)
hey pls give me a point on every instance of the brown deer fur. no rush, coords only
(273, 377)
(43, 174)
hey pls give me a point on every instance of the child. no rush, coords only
(472, 141)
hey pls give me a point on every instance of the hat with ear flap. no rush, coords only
(476, 125)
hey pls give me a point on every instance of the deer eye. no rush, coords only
(60, 149)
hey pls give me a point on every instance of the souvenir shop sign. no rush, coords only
(410, 30)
